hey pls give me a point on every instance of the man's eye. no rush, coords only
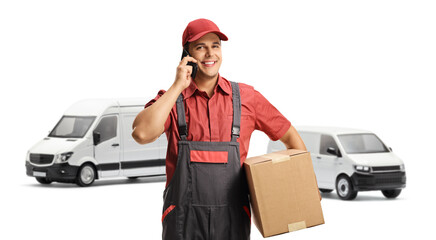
(198, 48)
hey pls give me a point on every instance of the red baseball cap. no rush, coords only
(198, 28)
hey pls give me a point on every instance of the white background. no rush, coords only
(361, 64)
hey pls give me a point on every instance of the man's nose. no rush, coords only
(208, 52)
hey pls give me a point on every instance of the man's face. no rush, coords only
(207, 51)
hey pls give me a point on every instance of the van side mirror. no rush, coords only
(333, 151)
(390, 149)
(96, 137)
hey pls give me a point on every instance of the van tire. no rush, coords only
(323, 190)
(86, 175)
(345, 188)
(391, 193)
(43, 180)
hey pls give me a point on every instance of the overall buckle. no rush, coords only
(235, 131)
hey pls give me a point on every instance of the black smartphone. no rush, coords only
(193, 64)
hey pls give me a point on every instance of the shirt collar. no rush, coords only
(223, 84)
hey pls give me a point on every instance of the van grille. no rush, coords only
(386, 168)
(41, 158)
(379, 179)
(392, 178)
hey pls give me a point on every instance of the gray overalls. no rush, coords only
(207, 198)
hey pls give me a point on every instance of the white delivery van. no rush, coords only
(92, 141)
(351, 160)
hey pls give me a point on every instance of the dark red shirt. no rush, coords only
(210, 119)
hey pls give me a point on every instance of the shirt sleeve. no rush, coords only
(268, 119)
(159, 94)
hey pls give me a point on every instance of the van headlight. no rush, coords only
(63, 157)
(402, 168)
(362, 168)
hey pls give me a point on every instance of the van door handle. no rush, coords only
(318, 157)
(115, 145)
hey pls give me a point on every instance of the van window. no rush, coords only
(72, 127)
(326, 142)
(107, 128)
(362, 143)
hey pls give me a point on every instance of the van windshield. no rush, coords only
(362, 143)
(72, 127)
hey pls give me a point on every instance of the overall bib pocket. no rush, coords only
(210, 180)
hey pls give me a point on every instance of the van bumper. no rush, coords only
(62, 172)
(378, 181)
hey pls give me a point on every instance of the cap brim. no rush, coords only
(221, 35)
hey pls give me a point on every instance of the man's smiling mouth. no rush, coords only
(208, 63)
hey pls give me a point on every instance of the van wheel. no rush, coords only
(85, 175)
(323, 190)
(345, 189)
(392, 193)
(43, 180)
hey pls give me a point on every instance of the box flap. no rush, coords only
(275, 156)
(255, 160)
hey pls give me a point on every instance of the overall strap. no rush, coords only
(183, 130)
(236, 111)
(181, 121)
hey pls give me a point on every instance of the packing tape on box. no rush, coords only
(276, 158)
(296, 226)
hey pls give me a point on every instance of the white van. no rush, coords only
(351, 160)
(92, 141)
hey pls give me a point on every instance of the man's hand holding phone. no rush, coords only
(185, 71)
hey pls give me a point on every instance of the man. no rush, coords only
(208, 122)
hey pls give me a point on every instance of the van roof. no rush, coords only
(96, 107)
(329, 130)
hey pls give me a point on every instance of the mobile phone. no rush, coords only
(193, 64)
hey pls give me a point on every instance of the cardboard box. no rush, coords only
(283, 192)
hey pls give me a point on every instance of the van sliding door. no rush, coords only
(140, 160)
